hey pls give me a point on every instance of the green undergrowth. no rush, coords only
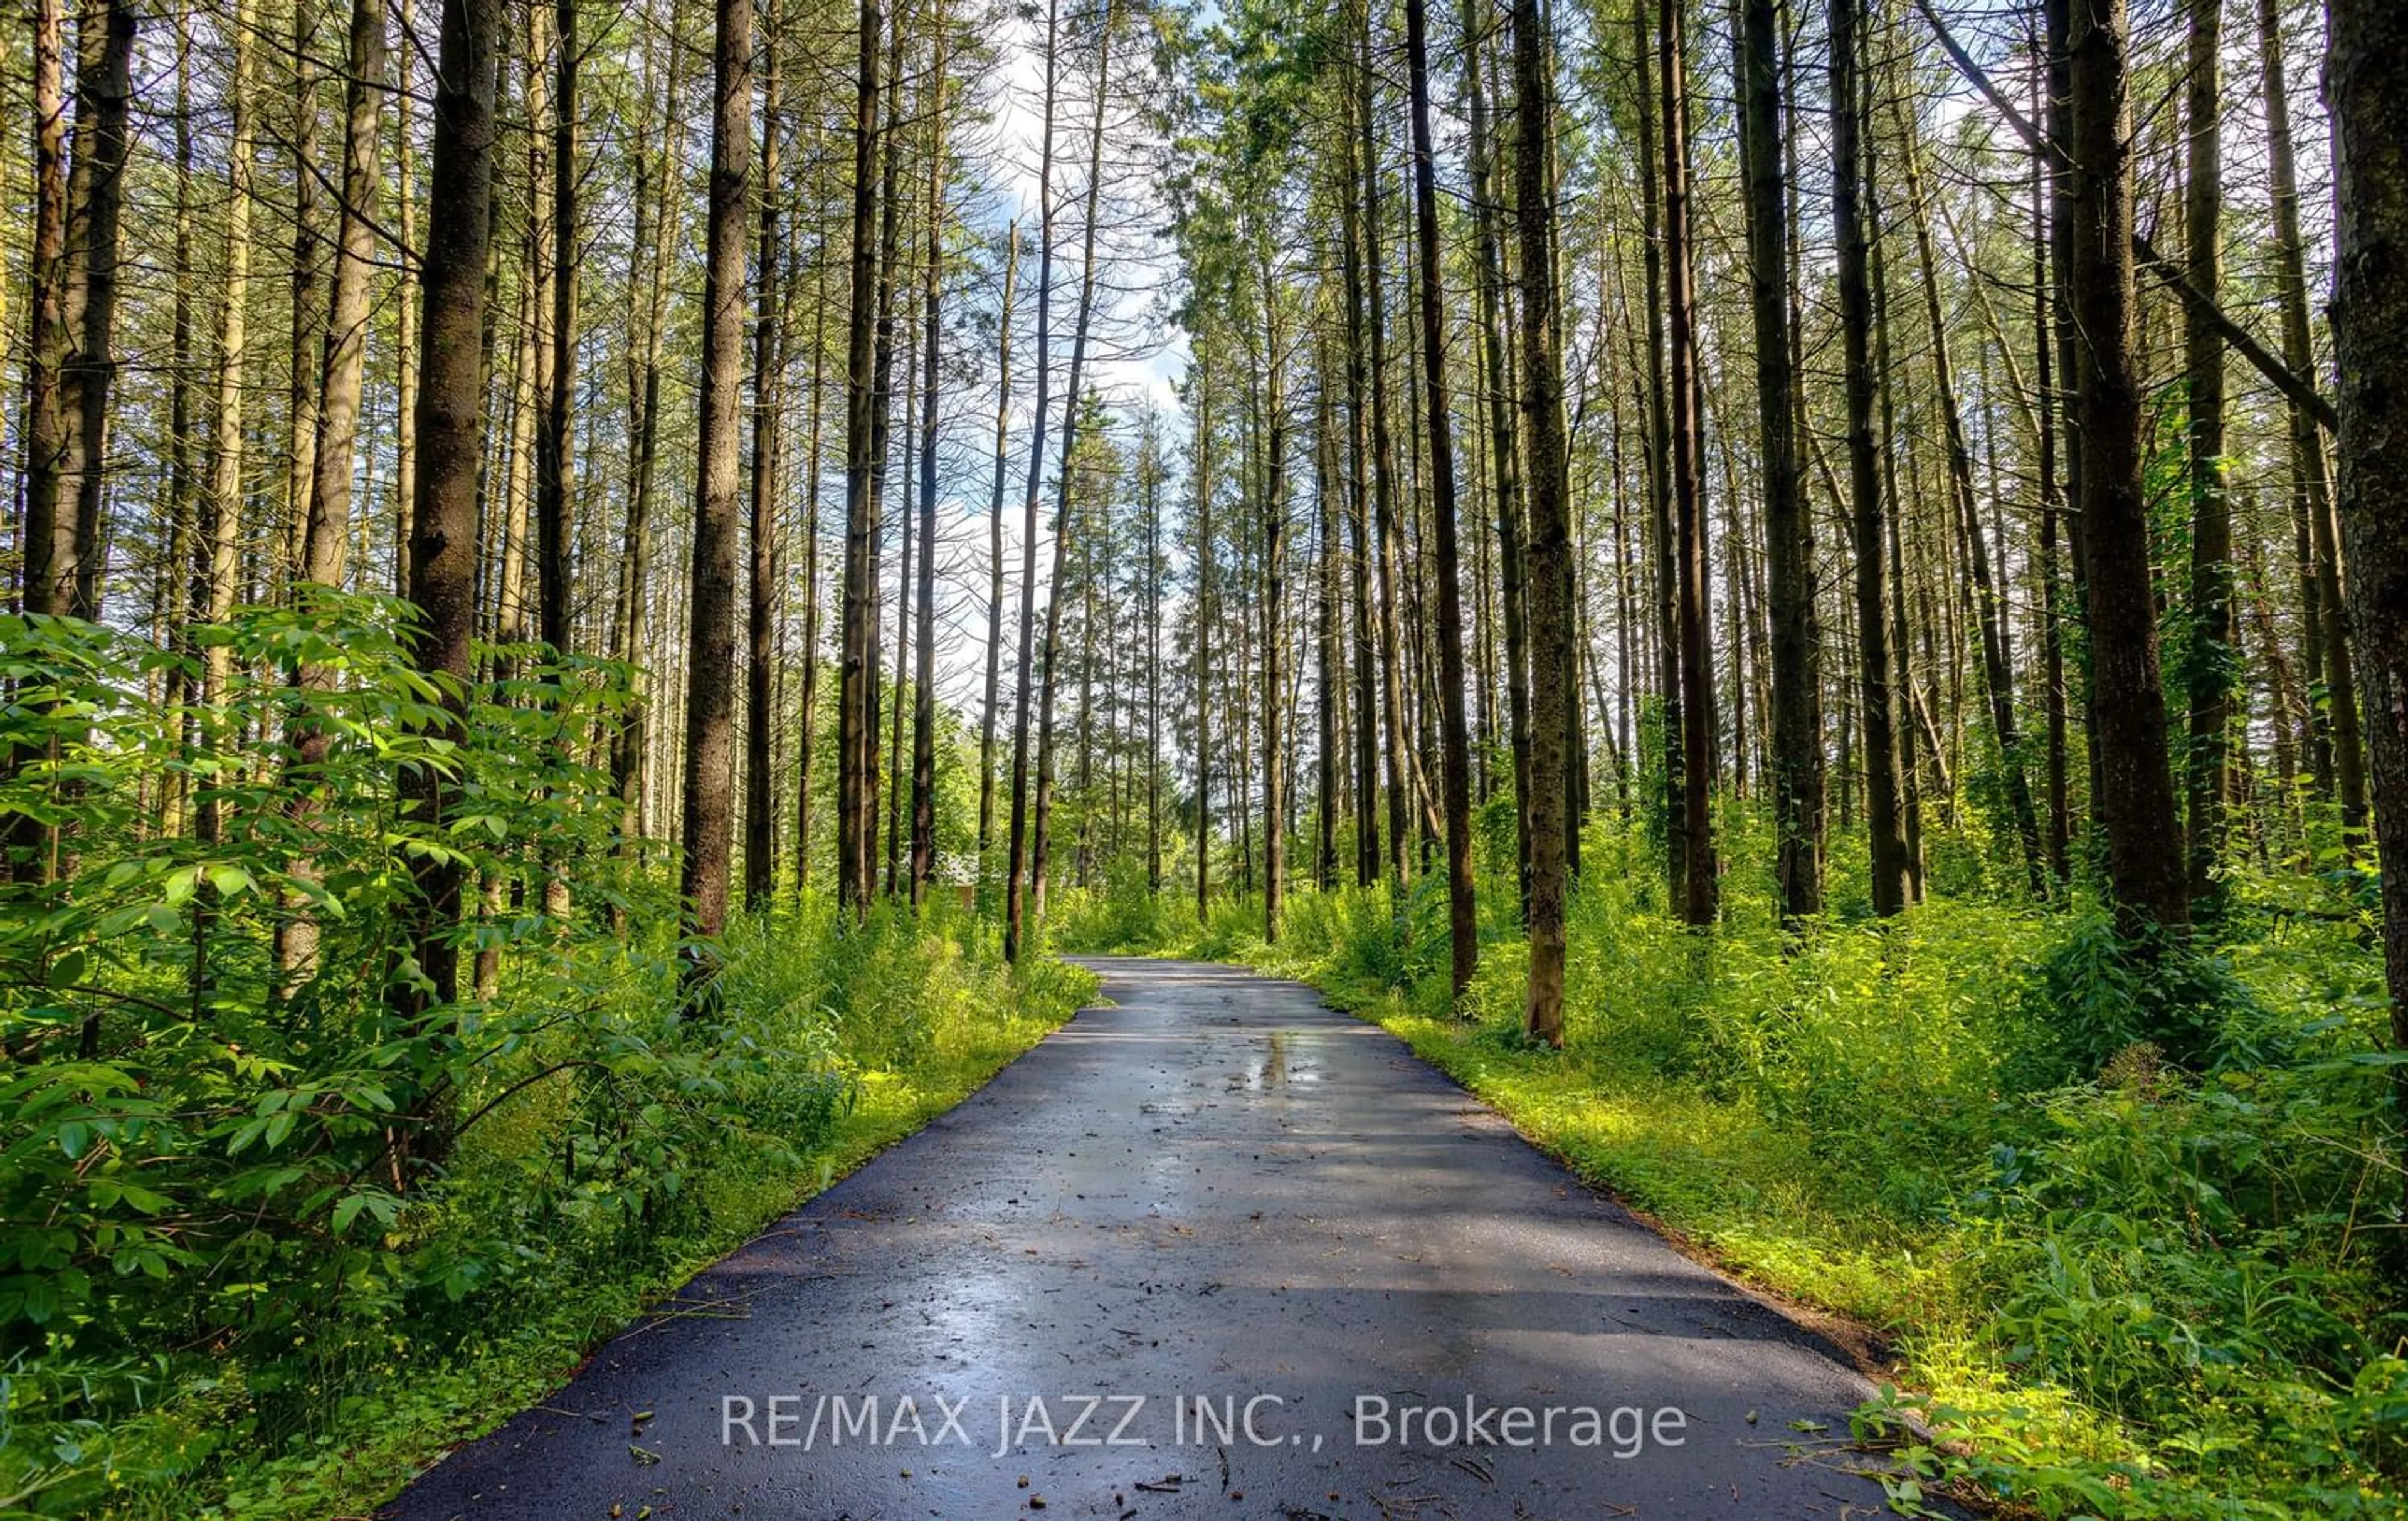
(285, 1209)
(895, 1026)
(2118, 1286)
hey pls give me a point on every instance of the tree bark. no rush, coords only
(765, 563)
(1349, 194)
(443, 520)
(995, 544)
(555, 467)
(309, 317)
(48, 539)
(1796, 718)
(706, 836)
(2367, 81)
(1503, 441)
(1041, 832)
(1877, 703)
(405, 326)
(924, 686)
(1553, 674)
(1326, 692)
(807, 718)
(882, 418)
(2134, 782)
(176, 569)
(1383, 482)
(859, 637)
(1462, 915)
(1273, 612)
(95, 197)
(1699, 899)
(1200, 478)
(219, 541)
(327, 531)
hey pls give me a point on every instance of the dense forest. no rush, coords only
(1810, 596)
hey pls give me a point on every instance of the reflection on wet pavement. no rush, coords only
(1212, 1250)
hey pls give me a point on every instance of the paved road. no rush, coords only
(1211, 1192)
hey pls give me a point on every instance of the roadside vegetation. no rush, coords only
(2113, 1287)
(217, 1295)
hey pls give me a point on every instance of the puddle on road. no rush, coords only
(1281, 1061)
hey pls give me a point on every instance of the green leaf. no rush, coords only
(69, 969)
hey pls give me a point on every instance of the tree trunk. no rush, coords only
(71, 372)
(1997, 672)
(1383, 483)
(899, 782)
(1273, 610)
(176, 568)
(1698, 904)
(1796, 718)
(1349, 192)
(2134, 781)
(924, 686)
(882, 418)
(309, 317)
(1552, 672)
(1503, 444)
(95, 196)
(1462, 915)
(555, 467)
(2051, 502)
(1660, 472)
(2212, 671)
(1326, 691)
(1877, 703)
(1041, 832)
(807, 718)
(328, 529)
(994, 544)
(327, 532)
(47, 537)
(1902, 693)
(706, 836)
(219, 539)
(2367, 81)
(1200, 477)
(404, 357)
(555, 497)
(443, 520)
(761, 606)
(859, 637)
(1152, 497)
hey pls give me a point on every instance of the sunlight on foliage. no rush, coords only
(2122, 1288)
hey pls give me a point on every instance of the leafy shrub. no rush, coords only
(227, 1232)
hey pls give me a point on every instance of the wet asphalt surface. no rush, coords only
(1213, 1192)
